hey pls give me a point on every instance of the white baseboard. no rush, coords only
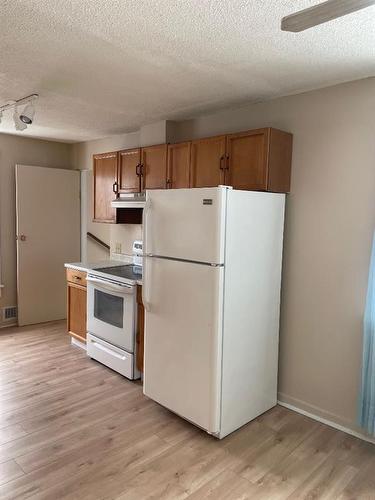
(325, 421)
(77, 343)
(7, 325)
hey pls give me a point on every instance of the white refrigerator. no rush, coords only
(211, 291)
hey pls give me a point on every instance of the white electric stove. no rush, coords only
(112, 314)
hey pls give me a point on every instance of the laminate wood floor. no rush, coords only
(71, 428)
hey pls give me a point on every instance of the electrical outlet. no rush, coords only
(118, 247)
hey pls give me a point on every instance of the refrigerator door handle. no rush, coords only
(146, 285)
(145, 217)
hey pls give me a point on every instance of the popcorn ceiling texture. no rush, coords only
(103, 68)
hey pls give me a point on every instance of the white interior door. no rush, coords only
(186, 224)
(48, 235)
(183, 338)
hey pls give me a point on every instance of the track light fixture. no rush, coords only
(21, 118)
(18, 123)
(27, 114)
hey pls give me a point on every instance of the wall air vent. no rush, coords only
(9, 313)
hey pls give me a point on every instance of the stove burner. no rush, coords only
(129, 271)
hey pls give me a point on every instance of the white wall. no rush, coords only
(13, 150)
(329, 224)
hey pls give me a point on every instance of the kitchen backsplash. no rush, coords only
(122, 237)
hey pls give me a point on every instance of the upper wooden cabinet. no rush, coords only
(178, 171)
(105, 186)
(259, 160)
(129, 165)
(127, 171)
(154, 167)
(207, 162)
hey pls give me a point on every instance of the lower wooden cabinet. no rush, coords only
(140, 329)
(76, 304)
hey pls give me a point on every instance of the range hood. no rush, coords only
(129, 200)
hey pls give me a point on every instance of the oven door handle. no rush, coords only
(111, 286)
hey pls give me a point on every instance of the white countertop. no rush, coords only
(87, 266)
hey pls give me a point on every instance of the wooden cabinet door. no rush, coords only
(76, 317)
(207, 162)
(129, 162)
(154, 167)
(105, 182)
(247, 159)
(178, 172)
(279, 161)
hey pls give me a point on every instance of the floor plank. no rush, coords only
(9, 470)
(71, 429)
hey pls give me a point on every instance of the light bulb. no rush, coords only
(17, 121)
(27, 114)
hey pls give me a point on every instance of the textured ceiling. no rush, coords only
(105, 67)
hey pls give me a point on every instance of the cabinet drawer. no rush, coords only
(77, 277)
(119, 360)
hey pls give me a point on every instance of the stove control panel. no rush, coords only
(137, 252)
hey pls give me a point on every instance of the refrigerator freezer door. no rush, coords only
(183, 339)
(186, 224)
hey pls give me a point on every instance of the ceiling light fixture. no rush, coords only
(18, 123)
(322, 13)
(24, 118)
(27, 114)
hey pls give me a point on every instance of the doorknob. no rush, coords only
(21, 237)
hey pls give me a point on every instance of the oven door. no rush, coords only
(111, 312)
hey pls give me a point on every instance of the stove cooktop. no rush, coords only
(129, 271)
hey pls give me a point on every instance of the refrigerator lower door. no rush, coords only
(186, 224)
(183, 339)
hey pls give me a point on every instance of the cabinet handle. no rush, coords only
(138, 169)
(115, 187)
(140, 175)
(77, 278)
(169, 183)
(227, 162)
(222, 164)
